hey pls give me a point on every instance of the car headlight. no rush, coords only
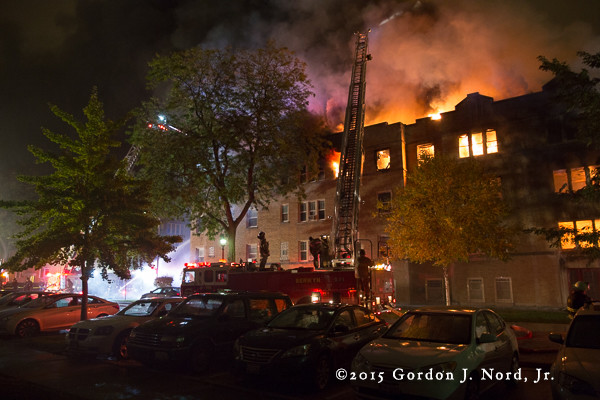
(449, 366)
(361, 364)
(104, 330)
(297, 351)
(575, 385)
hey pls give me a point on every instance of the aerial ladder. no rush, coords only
(347, 198)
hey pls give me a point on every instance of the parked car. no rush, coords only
(167, 291)
(52, 313)
(307, 342)
(109, 335)
(575, 373)
(203, 328)
(17, 299)
(438, 353)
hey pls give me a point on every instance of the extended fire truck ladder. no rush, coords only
(345, 222)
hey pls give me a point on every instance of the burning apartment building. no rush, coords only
(523, 140)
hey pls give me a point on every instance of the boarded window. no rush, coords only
(504, 290)
(475, 288)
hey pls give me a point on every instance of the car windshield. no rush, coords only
(312, 318)
(432, 327)
(198, 307)
(584, 332)
(140, 308)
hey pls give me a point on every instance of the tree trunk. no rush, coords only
(84, 289)
(231, 243)
(447, 286)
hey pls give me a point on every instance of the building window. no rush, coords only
(384, 203)
(383, 160)
(303, 211)
(251, 252)
(312, 210)
(582, 226)
(424, 151)
(434, 291)
(303, 250)
(321, 209)
(199, 254)
(252, 218)
(382, 246)
(477, 144)
(475, 289)
(211, 251)
(504, 290)
(285, 213)
(573, 179)
(283, 254)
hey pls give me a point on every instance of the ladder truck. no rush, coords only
(344, 234)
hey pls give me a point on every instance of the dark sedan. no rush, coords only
(308, 342)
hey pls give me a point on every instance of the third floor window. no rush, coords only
(477, 144)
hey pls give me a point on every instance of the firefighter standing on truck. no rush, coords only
(364, 275)
(264, 250)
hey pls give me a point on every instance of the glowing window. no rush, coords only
(383, 159)
(578, 180)
(424, 151)
(584, 227)
(477, 141)
(567, 241)
(463, 146)
(561, 182)
(491, 142)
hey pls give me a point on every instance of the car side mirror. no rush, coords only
(556, 337)
(486, 338)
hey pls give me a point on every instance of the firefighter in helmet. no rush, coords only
(578, 297)
(264, 250)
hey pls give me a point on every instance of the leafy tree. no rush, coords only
(578, 94)
(238, 133)
(578, 91)
(89, 212)
(448, 210)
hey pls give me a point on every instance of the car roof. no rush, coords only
(592, 308)
(327, 305)
(448, 310)
(240, 294)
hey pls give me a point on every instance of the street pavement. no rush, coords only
(49, 376)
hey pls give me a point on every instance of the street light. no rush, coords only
(223, 242)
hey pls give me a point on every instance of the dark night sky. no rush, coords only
(54, 51)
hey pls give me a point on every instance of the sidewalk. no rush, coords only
(536, 350)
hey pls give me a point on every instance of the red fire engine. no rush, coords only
(303, 285)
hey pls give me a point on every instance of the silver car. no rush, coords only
(576, 370)
(167, 291)
(108, 336)
(438, 353)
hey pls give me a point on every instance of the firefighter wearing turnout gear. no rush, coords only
(364, 274)
(578, 298)
(263, 249)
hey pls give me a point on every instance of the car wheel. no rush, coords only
(514, 369)
(120, 346)
(322, 373)
(200, 358)
(27, 328)
(472, 389)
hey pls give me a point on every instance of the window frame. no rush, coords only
(503, 279)
(469, 291)
(285, 213)
(485, 146)
(378, 156)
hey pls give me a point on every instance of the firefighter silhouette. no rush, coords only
(314, 245)
(264, 250)
(364, 275)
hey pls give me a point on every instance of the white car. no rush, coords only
(167, 291)
(109, 335)
(438, 353)
(52, 313)
(576, 370)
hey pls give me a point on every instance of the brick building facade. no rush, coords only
(523, 140)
